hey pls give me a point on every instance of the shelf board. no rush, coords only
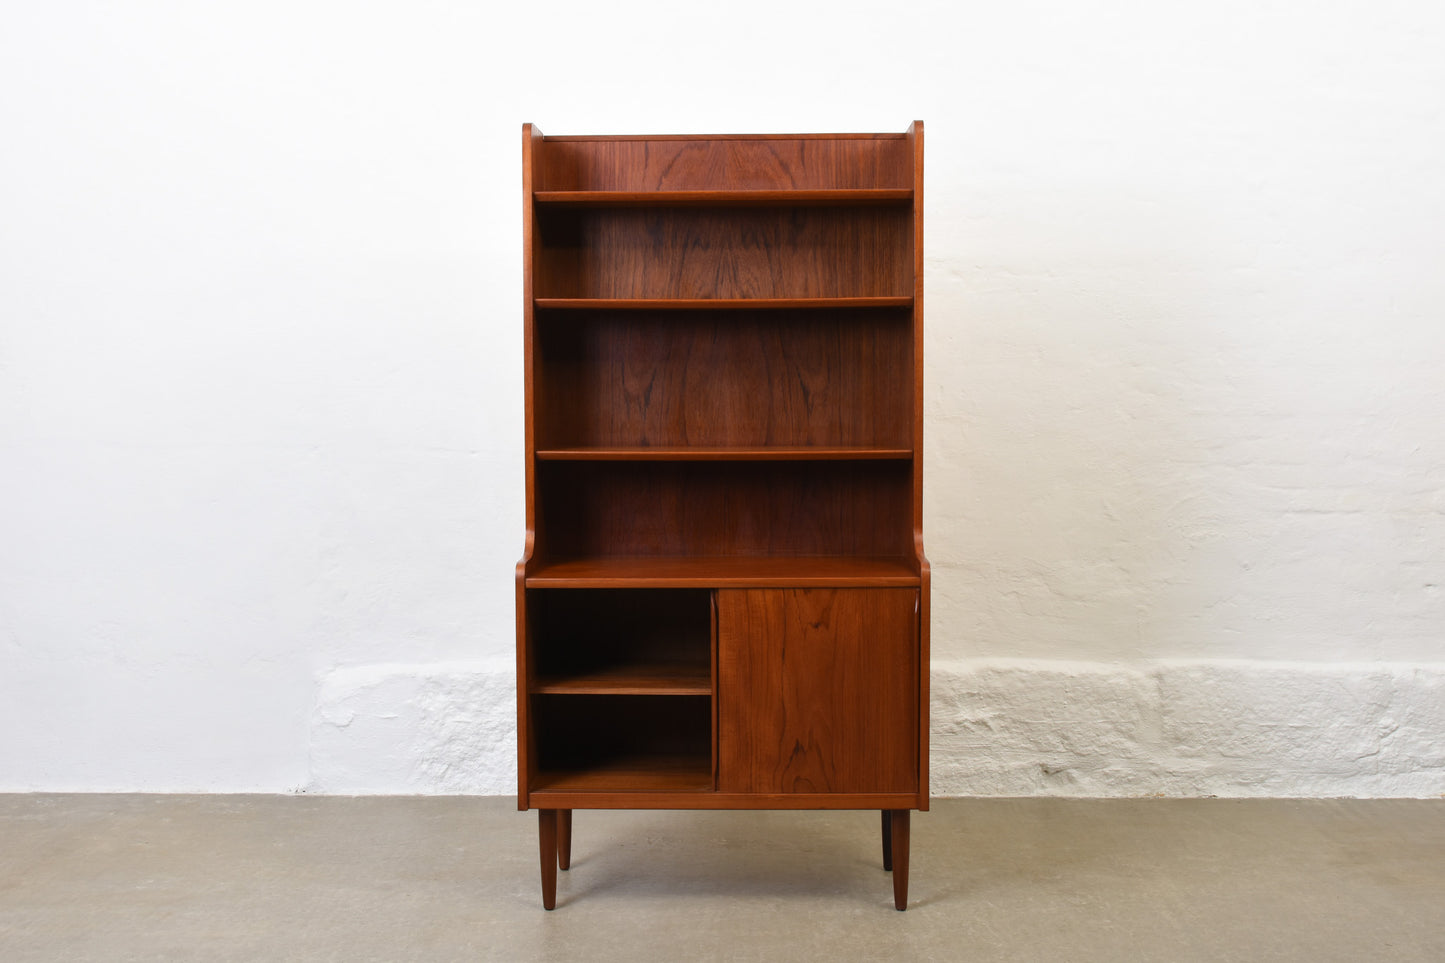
(739, 453)
(631, 773)
(549, 799)
(715, 304)
(669, 679)
(730, 571)
(857, 197)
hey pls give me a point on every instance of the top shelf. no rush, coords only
(858, 197)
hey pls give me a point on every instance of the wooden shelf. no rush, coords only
(716, 304)
(733, 572)
(858, 197)
(671, 679)
(632, 773)
(738, 453)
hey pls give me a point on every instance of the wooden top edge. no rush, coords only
(615, 137)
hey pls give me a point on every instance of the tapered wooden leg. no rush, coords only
(887, 840)
(547, 843)
(899, 822)
(564, 839)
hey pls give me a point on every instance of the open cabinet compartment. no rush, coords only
(806, 379)
(627, 642)
(777, 509)
(701, 252)
(623, 743)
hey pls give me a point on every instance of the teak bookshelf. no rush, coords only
(723, 601)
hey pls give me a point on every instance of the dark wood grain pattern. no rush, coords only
(818, 690)
(726, 163)
(726, 379)
(764, 509)
(715, 253)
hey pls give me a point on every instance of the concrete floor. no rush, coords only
(100, 877)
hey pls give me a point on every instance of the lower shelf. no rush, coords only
(622, 743)
(634, 773)
(665, 678)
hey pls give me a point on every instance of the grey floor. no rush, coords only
(96, 877)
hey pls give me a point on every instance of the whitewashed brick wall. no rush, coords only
(260, 376)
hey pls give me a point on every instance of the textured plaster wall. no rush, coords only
(260, 381)
(1009, 727)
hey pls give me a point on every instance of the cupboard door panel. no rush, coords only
(817, 690)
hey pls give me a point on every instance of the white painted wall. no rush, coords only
(260, 380)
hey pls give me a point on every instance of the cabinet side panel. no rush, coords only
(531, 144)
(915, 140)
(817, 691)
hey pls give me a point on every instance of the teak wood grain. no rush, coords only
(819, 690)
(727, 163)
(723, 600)
(594, 509)
(621, 774)
(714, 253)
(732, 378)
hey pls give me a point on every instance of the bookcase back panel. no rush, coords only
(724, 378)
(729, 163)
(787, 252)
(602, 509)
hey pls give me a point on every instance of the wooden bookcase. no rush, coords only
(723, 601)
